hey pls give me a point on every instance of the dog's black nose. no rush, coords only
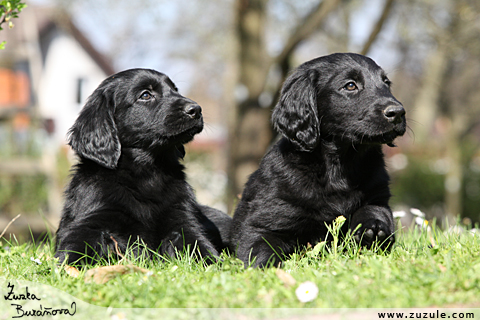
(193, 110)
(394, 113)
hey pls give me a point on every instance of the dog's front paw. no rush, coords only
(374, 231)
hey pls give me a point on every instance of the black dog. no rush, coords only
(334, 112)
(129, 185)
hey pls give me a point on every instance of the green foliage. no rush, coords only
(471, 195)
(9, 9)
(424, 268)
(471, 180)
(28, 194)
(419, 185)
(23, 194)
(422, 183)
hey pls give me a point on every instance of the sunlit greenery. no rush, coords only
(9, 9)
(425, 268)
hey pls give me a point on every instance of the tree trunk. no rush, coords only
(425, 108)
(249, 131)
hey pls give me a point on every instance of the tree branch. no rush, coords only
(378, 26)
(3, 16)
(305, 29)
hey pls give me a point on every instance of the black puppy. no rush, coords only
(129, 185)
(334, 112)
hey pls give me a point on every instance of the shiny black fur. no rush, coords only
(129, 185)
(334, 113)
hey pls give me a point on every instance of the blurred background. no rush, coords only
(231, 56)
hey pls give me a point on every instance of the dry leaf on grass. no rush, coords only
(71, 271)
(103, 274)
(286, 278)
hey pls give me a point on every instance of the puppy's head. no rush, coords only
(343, 97)
(137, 108)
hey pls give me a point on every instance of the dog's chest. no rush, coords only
(155, 198)
(150, 199)
(337, 194)
(330, 188)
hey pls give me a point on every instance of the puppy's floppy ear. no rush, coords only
(295, 115)
(94, 134)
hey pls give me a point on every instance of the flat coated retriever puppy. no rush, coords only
(129, 185)
(334, 113)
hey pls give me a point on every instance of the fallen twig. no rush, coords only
(116, 248)
(8, 225)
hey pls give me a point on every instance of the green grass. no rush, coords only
(413, 274)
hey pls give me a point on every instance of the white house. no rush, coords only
(71, 71)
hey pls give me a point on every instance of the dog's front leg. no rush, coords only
(197, 242)
(376, 225)
(262, 249)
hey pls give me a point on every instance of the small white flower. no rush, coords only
(474, 231)
(417, 212)
(421, 222)
(36, 260)
(399, 214)
(307, 291)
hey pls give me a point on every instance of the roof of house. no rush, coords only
(47, 20)
(63, 23)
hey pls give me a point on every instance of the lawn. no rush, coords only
(426, 268)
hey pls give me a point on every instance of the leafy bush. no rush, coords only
(421, 184)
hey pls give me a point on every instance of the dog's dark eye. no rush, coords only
(387, 81)
(351, 86)
(146, 95)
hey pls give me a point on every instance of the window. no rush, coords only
(81, 82)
